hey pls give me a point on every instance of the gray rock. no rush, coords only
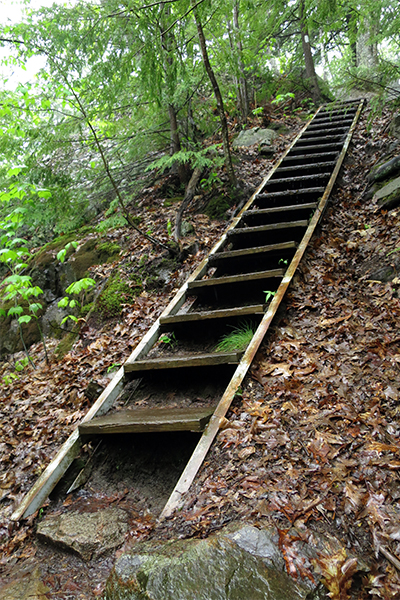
(394, 127)
(29, 587)
(89, 535)
(232, 565)
(248, 137)
(52, 318)
(389, 195)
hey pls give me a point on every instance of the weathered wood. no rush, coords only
(231, 279)
(142, 420)
(255, 212)
(220, 257)
(326, 123)
(226, 313)
(325, 131)
(202, 448)
(179, 362)
(328, 139)
(314, 191)
(270, 227)
(300, 179)
(309, 158)
(302, 148)
(306, 168)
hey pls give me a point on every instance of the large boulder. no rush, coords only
(394, 127)
(239, 562)
(256, 135)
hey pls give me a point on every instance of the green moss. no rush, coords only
(85, 309)
(117, 293)
(217, 207)
(107, 251)
(65, 345)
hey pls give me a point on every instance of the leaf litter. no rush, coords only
(312, 445)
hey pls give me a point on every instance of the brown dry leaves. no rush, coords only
(315, 441)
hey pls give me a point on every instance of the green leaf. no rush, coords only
(24, 319)
(63, 303)
(82, 284)
(15, 310)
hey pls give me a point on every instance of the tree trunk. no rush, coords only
(181, 168)
(218, 98)
(190, 191)
(243, 88)
(309, 61)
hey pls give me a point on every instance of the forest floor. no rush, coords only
(314, 439)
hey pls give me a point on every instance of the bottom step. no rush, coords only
(142, 420)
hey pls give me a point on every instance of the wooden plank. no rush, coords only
(248, 252)
(289, 193)
(328, 139)
(310, 157)
(300, 148)
(202, 448)
(312, 166)
(269, 227)
(225, 313)
(300, 179)
(255, 212)
(232, 279)
(179, 362)
(142, 420)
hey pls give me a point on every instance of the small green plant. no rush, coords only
(63, 253)
(168, 339)
(209, 182)
(238, 339)
(113, 367)
(393, 251)
(269, 295)
(282, 261)
(77, 288)
(258, 111)
(169, 228)
(281, 98)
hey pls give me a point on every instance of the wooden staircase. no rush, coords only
(244, 278)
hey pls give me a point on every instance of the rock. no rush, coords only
(248, 137)
(52, 318)
(386, 170)
(394, 126)
(389, 195)
(89, 535)
(226, 566)
(29, 587)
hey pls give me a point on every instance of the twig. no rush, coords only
(390, 557)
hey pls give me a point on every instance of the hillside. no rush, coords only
(311, 443)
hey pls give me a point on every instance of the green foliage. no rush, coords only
(196, 158)
(238, 339)
(269, 295)
(113, 222)
(168, 339)
(61, 255)
(117, 293)
(78, 288)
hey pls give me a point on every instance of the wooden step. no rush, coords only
(220, 257)
(302, 149)
(179, 362)
(314, 166)
(309, 159)
(289, 194)
(231, 279)
(279, 209)
(329, 139)
(331, 123)
(142, 420)
(294, 181)
(167, 323)
(238, 231)
(324, 132)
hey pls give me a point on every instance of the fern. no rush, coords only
(195, 158)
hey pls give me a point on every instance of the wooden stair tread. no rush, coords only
(283, 193)
(306, 148)
(214, 259)
(298, 179)
(295, 168)
(194, 360)
(141, 420)
(223, 313)
(278, 209)
(203, 283)
(269, 227)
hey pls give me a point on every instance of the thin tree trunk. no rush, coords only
(218, 98)
(244, 93)
(309, 61)
(190, 191)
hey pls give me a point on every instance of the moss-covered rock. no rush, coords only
(117, 293)
(217, 207)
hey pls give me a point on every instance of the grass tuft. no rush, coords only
(238, 339)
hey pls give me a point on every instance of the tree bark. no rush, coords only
(308, 58)
(243, 88)
(190, 191)
(218, 97)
